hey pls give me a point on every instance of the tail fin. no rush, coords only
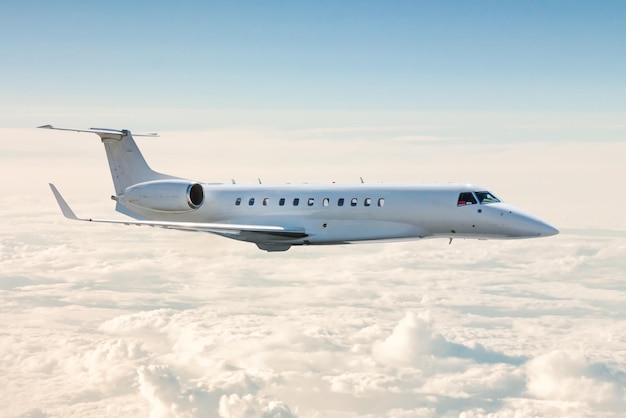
(127, 165)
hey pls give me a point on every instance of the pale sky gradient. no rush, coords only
(556, 56)
(525, 98)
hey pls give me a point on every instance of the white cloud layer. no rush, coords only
(570, 376)
(101, 320)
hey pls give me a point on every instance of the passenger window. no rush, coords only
(281, 202)
(311, 201)
(368, 201)
(251, 201)
(326, 202)
(296, 201)
(266, 201)
(381, 202)
(238, 201)
(354, 201)
(466, 198)
(340, 201)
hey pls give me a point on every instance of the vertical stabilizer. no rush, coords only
(126, 162)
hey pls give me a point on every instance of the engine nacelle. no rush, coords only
(164, 195)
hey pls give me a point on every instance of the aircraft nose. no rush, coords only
(531, 226)
(535, 227)
(523, 224)
(546, 230)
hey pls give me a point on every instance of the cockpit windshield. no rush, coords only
(486, 197)
(466, 198)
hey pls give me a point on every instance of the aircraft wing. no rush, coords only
(231, 229)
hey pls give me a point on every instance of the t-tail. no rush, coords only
(139, 190)
(128, 167)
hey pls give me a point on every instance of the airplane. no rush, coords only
(277, 217)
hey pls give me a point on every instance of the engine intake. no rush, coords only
(164, 195)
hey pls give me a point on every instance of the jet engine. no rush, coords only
(164, 195)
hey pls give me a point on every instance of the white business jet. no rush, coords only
(275, 217)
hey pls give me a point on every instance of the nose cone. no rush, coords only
(521, 224)
(543, 229)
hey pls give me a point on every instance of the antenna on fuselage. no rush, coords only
(361, 180)
(260, 181)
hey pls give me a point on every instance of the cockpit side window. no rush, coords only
(466, 198)
(486, 197)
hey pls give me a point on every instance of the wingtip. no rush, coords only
(65, 208)
(46, 127)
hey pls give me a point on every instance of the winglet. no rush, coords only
(65, 208)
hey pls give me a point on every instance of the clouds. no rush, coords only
(106, 321)
(413, 343)
(167, 398)
(567, 375)
(235, 406)
(410, 341)
(199, 326)
(401, 343)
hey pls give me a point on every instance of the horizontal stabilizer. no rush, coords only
(99, 131)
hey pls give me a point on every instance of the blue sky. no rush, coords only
(419, 56)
